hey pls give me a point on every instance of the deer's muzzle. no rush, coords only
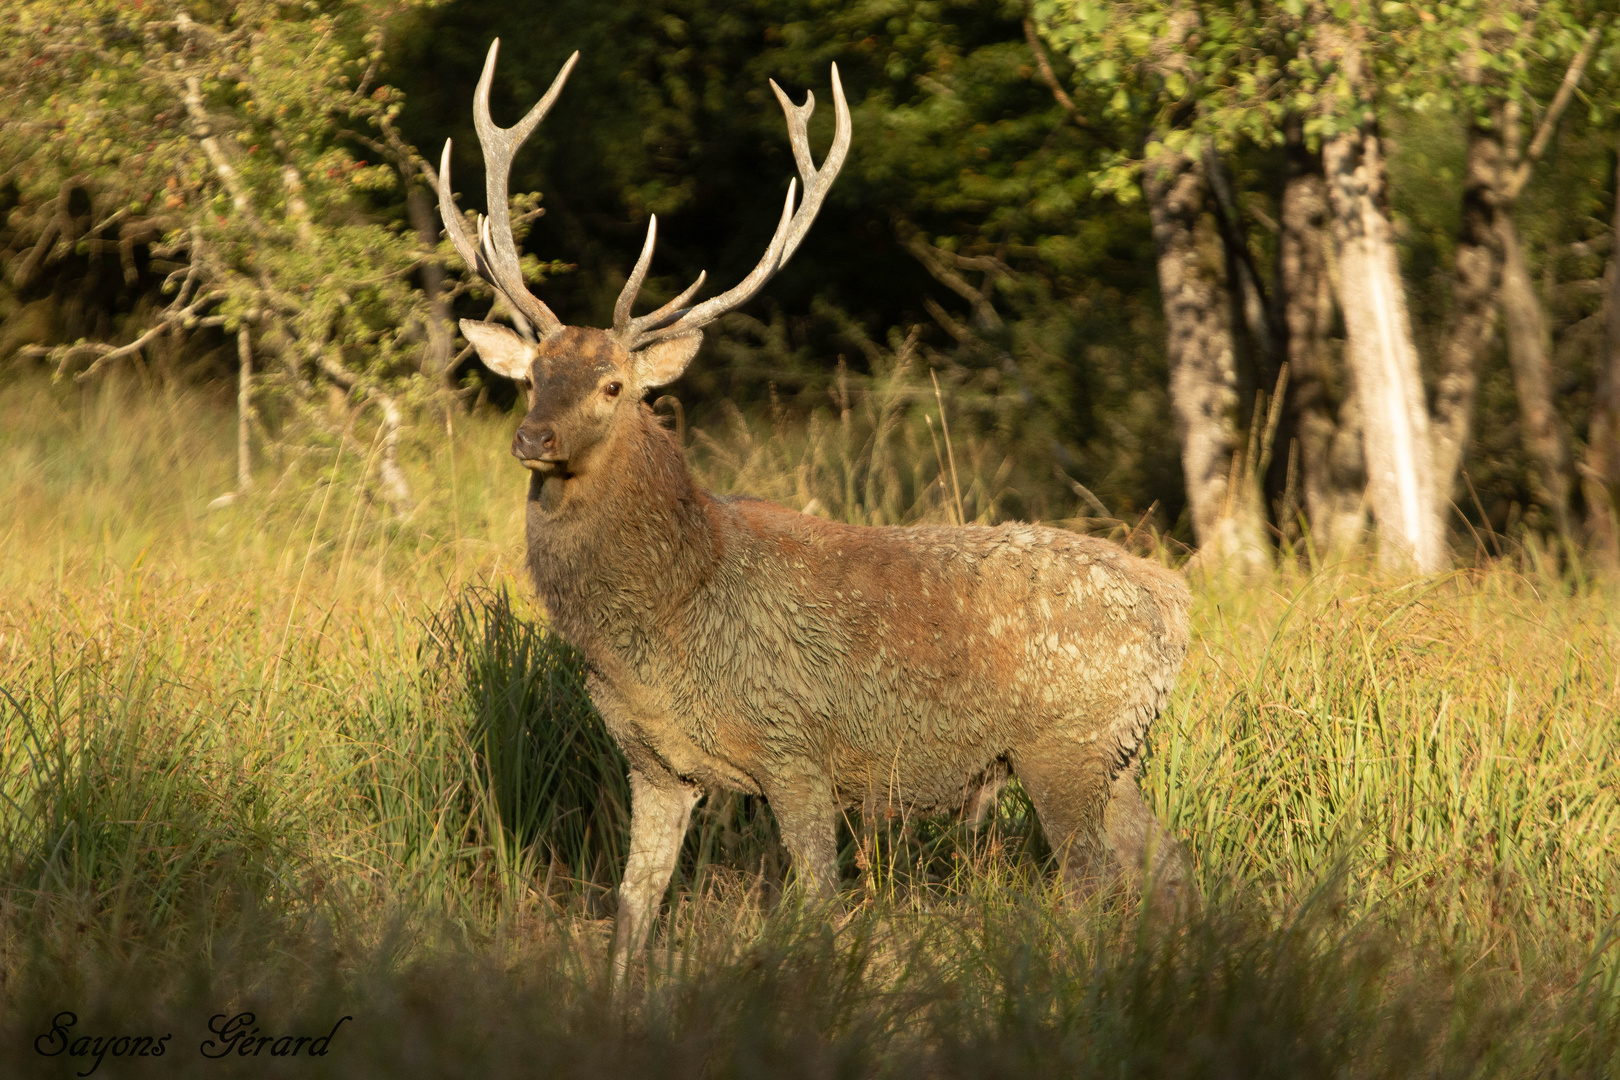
(537, 447)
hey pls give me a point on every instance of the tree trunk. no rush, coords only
(1490, 269)
(244, 410)
(1530, 353)
(1602, 467)
(1474, 285)
(1249, 297)
(1221, 487)
(1383, 357)
(1324, 412)
(436, 361)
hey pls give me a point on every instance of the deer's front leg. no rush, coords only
(660, 808)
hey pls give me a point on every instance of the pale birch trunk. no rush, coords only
(1221, 487)
(1383, 357)
(1325, 415)
(244, 420)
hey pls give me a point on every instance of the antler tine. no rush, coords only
(789, 233)
(632, 286)
(453, 224)
(655, 320)
(628, 328)
(499, 251)
(520, 131)
(711, 309)
(817, 182)
(473, 250)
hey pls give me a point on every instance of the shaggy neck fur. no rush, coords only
(632, 538)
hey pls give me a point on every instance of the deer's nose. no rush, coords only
(530, 443)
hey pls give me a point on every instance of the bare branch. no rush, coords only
(962, 334)
(203, 128)
(987, 264)
(935, 261)
(1549, 120)
(1044, 65)
(370, 75)
(108, 222)
(36, 257)
(105, 354)
(193, 270)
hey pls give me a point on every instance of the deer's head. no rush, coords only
(581, 381)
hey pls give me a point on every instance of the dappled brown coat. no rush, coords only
(733, 643)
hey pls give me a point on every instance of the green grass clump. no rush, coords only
(306, 757)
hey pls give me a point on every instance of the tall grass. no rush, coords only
(304, 757)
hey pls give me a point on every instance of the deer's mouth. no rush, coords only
(548, 466)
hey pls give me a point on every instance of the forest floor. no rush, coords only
(307, 758)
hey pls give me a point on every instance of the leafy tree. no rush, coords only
(189, 184)
(1203, 81)
(1176, 83)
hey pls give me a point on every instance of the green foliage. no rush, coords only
(192, 171)
(1234, 74)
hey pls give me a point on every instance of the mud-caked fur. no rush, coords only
(734, 643)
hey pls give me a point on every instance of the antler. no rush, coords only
(494, 253)
(670, 320)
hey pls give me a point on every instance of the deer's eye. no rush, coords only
(612, 389)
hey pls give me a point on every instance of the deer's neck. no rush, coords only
(624, 544)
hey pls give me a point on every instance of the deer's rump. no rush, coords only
(902, 663)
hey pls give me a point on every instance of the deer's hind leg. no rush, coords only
(1069, 782)
(808, 819)
(1102, 832)
(1141, 850)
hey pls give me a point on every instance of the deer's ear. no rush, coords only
(501, 350)
(663, 363)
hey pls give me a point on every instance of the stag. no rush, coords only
(732, 643)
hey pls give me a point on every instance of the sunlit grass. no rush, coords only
(310, 757)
